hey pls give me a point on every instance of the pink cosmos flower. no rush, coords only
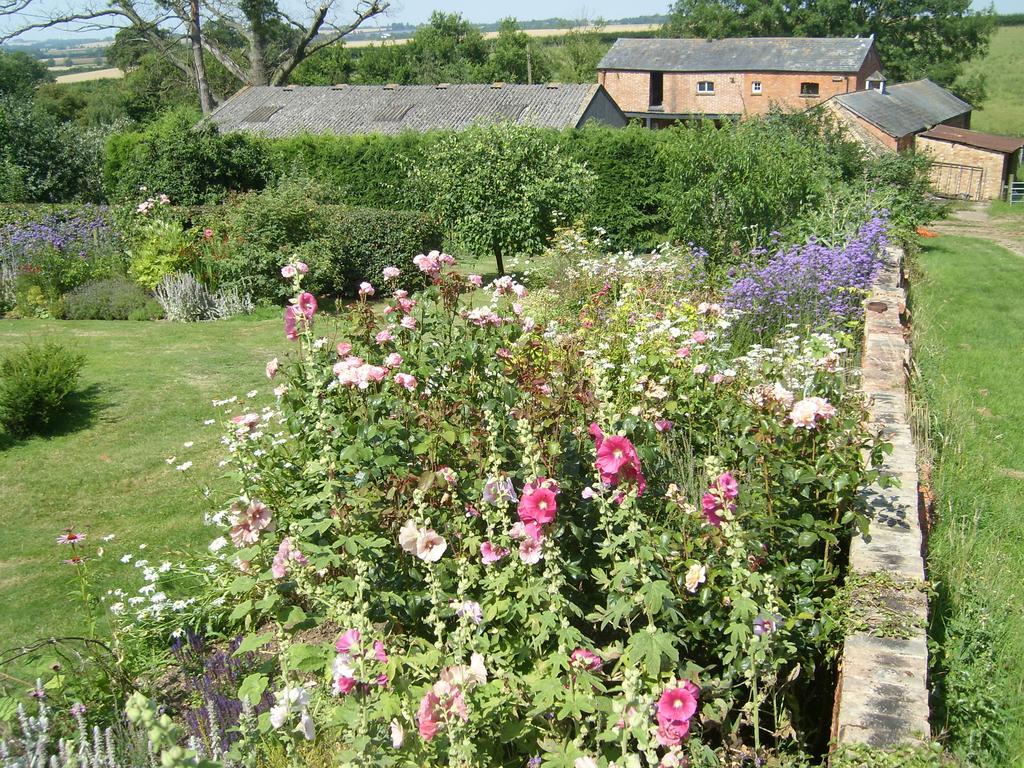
(384, 336)
(663, 425)
(408, 322)
(365, 289)
(344, 348)
(530, 551)
(288, 271)
(585, 659)
(348, 642)
(405, 380)
(476, 280)
(393, 360)
(698, 337)
(490, 554)
(307, 304)
(272, 368)
(390, 273)
(537, 504)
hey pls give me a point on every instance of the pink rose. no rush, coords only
(405, 380)
(272, 368)
(476, 280)
(365, 289)
(408, 322)
(384, 336)
(390, 273)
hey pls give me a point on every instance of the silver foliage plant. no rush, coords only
(186, 300)
(35, 747)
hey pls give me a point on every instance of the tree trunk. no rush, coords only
(196, 37)
(498, 258)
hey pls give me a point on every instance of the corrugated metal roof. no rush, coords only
(905, 108)
(351, 109)
(990, 141)
(739, 54)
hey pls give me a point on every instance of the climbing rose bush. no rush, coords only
(464, 536)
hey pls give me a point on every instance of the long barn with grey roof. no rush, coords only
(665, 80)
(354, 109)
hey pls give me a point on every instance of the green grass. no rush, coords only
(969, 333)
(150, 387)
(1003, 67)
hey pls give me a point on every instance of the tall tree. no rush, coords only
(515, 58)
(20, 73)
(273, 41)
(915, 38)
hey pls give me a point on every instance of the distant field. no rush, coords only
(96, 74)
(624, 28)
(1003, 110)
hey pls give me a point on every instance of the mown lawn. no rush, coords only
(150, 386)
(968, 314)
(1003, 67)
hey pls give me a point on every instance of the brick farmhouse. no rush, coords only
(661, 81)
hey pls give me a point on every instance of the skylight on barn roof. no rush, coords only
(392, 113)
(261, 114)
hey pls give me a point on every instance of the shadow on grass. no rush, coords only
(80, 410)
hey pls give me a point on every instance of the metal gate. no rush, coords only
(1015, 192)
(963, 182)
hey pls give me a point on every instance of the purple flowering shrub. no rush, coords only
(812, 285)
(51, 256)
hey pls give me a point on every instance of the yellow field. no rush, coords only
(624, 28)
(112, 73)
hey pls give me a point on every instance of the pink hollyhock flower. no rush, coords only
(675, 708)
(440, 704)
(288, 271)
(390, 273)
(407, 536)
(490, 554)
(470, 609)
(530, 530)
(727, 485)
(302, 267)
(393, 360)
(663, 425)
(247, 523)
(430, 546)
(428, 717)
(379, 652)
(348, 642)
(476, 280)
(530, 551)
(405, 380)
(365, 289)
(344, 348)
(286, 553)
(537, 504)
(585, 659)
(343, 674)
(408, 322)
(614, 454)
(291, 323)
(272, 368)
(683, 352)
(384, 336)
(698, 337)
(307, 304)
(672, 734)
(712, 505)
(597, 434)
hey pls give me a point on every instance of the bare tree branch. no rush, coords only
(307, 44)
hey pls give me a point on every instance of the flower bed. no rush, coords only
(470, 537)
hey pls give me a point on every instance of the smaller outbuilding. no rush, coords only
(970, 164)
(890, 116)
(355, 109)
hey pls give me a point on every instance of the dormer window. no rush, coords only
(706, 87)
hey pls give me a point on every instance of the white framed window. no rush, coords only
(755, 87)
(706, 86)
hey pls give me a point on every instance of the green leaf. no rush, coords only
(252, 688)
(253, 642)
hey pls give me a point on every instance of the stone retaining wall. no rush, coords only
(882, 694)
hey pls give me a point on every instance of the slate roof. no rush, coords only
(351, 109)
(990, 141)
(739, 54)
(905, 108)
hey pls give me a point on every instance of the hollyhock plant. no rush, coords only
(490, 554)
(286, 554)
(585, 659)
(247, 522)
(307, 304)
(676, 706)
(617, 460)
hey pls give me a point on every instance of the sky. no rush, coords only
(418, 11)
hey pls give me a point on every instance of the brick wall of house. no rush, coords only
(733, 90)
(865, 132)
(993, 164)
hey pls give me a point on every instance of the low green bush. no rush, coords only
(113, 299)
(35, 382)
